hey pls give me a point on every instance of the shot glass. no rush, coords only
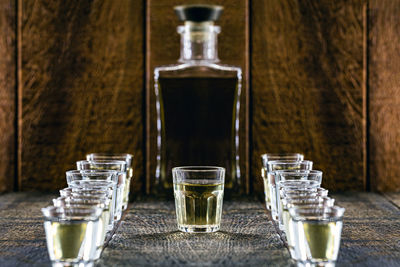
(299, 179)
(199, 192)
(118, 156)
(317, 234)
(274, 156)
(96, 179)
(71, 235)
(85, 202)
(116, 165)
(290, 202)
(272, 167)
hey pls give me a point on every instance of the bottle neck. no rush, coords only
(199, 42)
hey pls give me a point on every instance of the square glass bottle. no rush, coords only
(198, 103)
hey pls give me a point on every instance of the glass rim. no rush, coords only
(90, 172)
(99, 195)
(297, 183)
(316, 214)
(70, 213)
(103, 161)
(99, 199)
(81, 203)
(307, 199)
(299, 172)
(287, 162)
(110, 155)
(198, 168)
(91, 183)
(283, 155)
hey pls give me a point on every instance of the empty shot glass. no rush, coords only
(272, 167)
(317, 234)
(116, 165)
(270, 157)
(199, 192)
(118, 156)
(71, 235)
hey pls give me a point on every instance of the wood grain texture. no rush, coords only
(163, 47)
(7, 94)
(307, 94)
(23, 241)
(394, 198)
(371, 230)
(148, 236)
(384, 95)
(82, 78)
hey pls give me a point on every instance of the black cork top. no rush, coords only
(198, 13)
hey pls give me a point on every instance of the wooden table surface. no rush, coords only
(148, 235)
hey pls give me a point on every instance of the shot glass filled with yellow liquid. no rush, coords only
(199, 192)
(71, 234)
(317, 234)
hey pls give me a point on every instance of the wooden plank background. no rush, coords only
(319, 71)
(163, 47)
(384, 95)
(7, 94)
(307, 76)
(82, 84)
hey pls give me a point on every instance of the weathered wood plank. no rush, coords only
(149, 237)
(82, 86)
(307, 94)
(384, 95)
(7, 94)
(163, 47)
(23, 241)
(394, 198)
(371, 230)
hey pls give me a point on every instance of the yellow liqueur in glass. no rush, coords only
(317, 232)
(321, 239)
(199, 206)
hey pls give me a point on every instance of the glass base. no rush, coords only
(198, 228)
(316, 263)
(72, 264)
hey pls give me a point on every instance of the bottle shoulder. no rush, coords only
(200, 69)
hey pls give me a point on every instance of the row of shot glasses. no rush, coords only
(310, 221)
(84, 217)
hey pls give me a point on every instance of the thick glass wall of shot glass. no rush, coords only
(302, 180)
(129, 171)
(274, 156)
(96, 179)
(305, 201)
(199, 191)
(85, 202)
(70, 235)
(317, 234)
(275, 165)
(116, 165)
